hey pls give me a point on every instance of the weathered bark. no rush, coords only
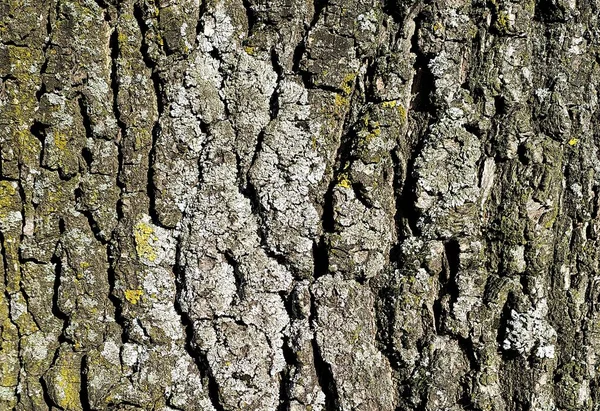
(281, 205)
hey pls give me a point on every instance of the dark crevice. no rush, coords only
(452, 251)
(328, 219)
(45, 394)
(156, 129)
(291, 359)
(200, 24)
(88, 157)
(56, 311)
(274, 101)
(42, 90)
(38, 130)
(83, 390)
(251, 15)
(319, 6)
(240, 281)
(284, 389)
(150, 186)
(61, 226)
(112, 253)
(398, 10)
(325, 378)
(386, 313)
(449, 292)
(199, 358)
(297, 59)
(361, 195)
(500, 105)
(407, 215)
(423, 82)
(79, 206)
(322, 368)
(320, 252)
(522, 154)
(114, 78)
(114, 84)
(87, 122)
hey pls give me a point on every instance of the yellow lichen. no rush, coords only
(402, 112)
(144, 237)
(122, 37)
(68, 380)
(7, 190)
(341, 101)
(573, 141)
(389, 104)
(344, 182)
(348, 83)
(133, 296)
(249, 50)
(503, 20)
(438, 26)
(60, 140)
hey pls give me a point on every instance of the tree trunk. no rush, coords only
(280, 205)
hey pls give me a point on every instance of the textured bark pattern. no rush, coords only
(287, 205)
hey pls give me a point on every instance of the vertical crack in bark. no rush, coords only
(251, 15)
(385, 319)
(112, 248)
(83, 390)
(322, 368)
(423, 84)
(112, 253)
(291, 359)
(240, 281)
(158, 86)
(9, 313)
(199, 358)
(320, 249)
(56, 311)
(343, 160)
(200, 24)
(319, 6)
(114, 81)
(422, 111)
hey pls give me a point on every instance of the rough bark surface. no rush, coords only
(287, 205)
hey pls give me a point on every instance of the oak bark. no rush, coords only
(285, 205)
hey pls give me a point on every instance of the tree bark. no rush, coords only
(285, 205)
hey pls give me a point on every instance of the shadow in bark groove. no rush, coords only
(322, 368)
(196, 355)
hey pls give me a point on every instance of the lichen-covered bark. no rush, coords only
(287, 205)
